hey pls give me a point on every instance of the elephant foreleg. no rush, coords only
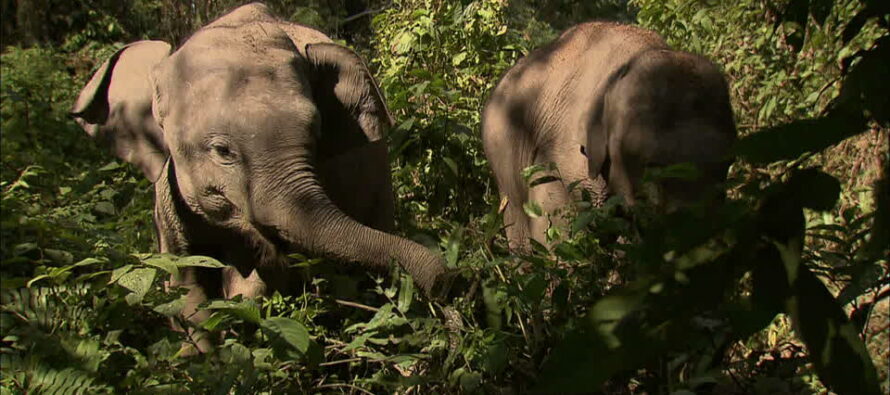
(235, 284)
(197, 281)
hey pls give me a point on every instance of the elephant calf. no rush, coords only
(262, 138)
(604, 102)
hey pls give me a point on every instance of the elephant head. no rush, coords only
(662, 108)
(244, 114)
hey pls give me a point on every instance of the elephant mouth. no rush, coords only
(272, 247)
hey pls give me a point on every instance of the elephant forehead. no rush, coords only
(247, 83)
(256, 49)
(240, 102)
(261, 39)
(249, 101)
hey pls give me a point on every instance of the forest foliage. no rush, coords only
(784, 290)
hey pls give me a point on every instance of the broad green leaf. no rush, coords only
(245, 309)
(215, 320)
(530, 171)
(164, 262)
(582, 220)
(288, 331)
(116, 274)
(138, 281)
(171, 308)
(200, 261)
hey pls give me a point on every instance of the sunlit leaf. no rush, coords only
(532, 209)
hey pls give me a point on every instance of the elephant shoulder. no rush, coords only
(628, 34)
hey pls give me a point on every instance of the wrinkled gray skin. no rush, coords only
(603, 102)
(262, 138)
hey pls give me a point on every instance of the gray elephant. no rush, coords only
(604, 102)
(262, 138)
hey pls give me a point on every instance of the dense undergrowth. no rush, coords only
(784, 290)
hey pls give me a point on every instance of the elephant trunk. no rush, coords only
(316, 225)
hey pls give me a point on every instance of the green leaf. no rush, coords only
(622, 331)
(495, 358)
(492, 298)
(528, 172)
(533, 287)
(105, 208)
(467, 380)
(404, 43)
(23, 248)
(200, 261)
(116, 274)
(171, 308)
(245, 309)
(164, 262)
(451, 165)
(543, 180)
(113, 165)
(682, 171)
(532, 209)
(568, 252)
(864, 277)
(59, 274)
(837, 352)
(215, 320)
(288, 333)
(138, 281)
(582, 220)
(406, 293)
(456, 60)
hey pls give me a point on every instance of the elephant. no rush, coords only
(604, 102)
(262, 138)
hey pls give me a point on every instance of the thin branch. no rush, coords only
(359, 15)
(357, 305)
(350, 386)
(340, 361)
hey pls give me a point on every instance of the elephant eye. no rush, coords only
(223, 151)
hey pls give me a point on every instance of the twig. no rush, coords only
(359, 15)
(350, 386)
(357, 305)
(340, 361)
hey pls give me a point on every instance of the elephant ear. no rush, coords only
(601, 125)
(115, 107)
(596, 147)
(352, 108)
